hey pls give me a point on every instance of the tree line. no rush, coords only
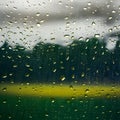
(87, 60)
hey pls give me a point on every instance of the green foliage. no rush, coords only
(87, 60)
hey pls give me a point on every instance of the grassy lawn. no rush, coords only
(46, 102)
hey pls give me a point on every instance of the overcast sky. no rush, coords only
(27, 22)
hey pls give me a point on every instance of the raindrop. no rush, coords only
(52, 39)
(37, 14)
(4, 89)
(75, 110)
(46, 115)
(83, 116)
(0, 29)
(30, 116)
(73, 68)
(53, 100)
(27, 75)
(103, 112)
(66, 35)
(15, 66)
(93, 23)
(97, 118)
(73, 76)
(96, 107)
(19, 101)
(83, 75)
(27, 65)
(47, 14)
(72, 37)
(85, 8)
(66, 18)
(109, 111)
(54, 70)
(110, 30)
(80, 38)
(87, 91)
(93, 58)
(4, 101)
(110, 18)
(113, 11)
(60, 2)
(62, 78)
(89, 3)
(97, 35)
(118, 112)
(71, 86)
(42, 21)
(9, 117)
(38, 24)
(67, 23)
(4, 76)
(62, 106)
(27, 83)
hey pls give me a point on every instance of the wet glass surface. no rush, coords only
(59, 60)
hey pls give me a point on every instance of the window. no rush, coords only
(59, 60)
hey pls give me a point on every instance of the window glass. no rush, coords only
(59, 59)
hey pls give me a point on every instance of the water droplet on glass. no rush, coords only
(46, 115)
(47, 14)
(66, 18)
(4, 89)
(38, 24)
(27, 75)
(75, 110)
(60, 2)
(71, 86)
(89, 3)
(53, 100)
(97, 35)
(15, 66)
(113, 11)
(4, 76)
(27, 65)
(54, 70)
(66, 35)
(82, 74)
(110, 18)
(93, 23)
(52, 39)
(0, 29)
(87, 91)
(37, 14)
(80, 38)
(42, 21)
(85, 8)
(62, 78)
(4, 102)
(9, 117)
(30, 116)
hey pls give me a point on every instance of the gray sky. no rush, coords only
(27, 22)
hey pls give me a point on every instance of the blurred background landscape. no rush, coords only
(82, 61)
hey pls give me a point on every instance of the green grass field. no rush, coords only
(19, 102)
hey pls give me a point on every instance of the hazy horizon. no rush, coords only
(27, 22)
